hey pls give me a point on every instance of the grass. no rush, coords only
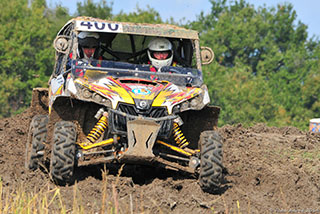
(308, 158)
(293, 154)
(50, 200)
(21, 201)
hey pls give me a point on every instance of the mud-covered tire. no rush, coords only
(35, 144)
(63, 155)
(210, 161)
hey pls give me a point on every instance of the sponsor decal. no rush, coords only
(98, 26)
(141, 91)
(56, 84)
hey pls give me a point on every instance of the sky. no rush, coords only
(307, 10)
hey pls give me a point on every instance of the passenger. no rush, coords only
(160, 53)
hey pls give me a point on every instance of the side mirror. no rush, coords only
(61, 44)
(207, 55)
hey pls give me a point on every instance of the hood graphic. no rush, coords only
(127, 90)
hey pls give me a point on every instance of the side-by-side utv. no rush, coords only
(116, 110)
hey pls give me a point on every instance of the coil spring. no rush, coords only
(179, 137)
(98, 129)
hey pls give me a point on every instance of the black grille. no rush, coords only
(119, 122)
(128, 109)
(158, 112)
(154, 112)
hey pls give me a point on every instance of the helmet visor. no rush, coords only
(89, 43)
(161, 55)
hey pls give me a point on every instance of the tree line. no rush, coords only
(266, 69)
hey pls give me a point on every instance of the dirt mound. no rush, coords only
(267, 170)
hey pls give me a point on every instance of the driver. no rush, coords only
(160, 53)
(88, 50)
(88, 45)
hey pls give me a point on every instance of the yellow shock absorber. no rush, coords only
(98, 129)
(179, 137)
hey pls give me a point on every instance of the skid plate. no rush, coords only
(142, 135)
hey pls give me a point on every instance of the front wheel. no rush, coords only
(63, 156)
(210, 161)
(35, 144)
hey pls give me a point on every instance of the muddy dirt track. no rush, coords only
(268, 170)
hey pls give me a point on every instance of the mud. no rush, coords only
(267, 170)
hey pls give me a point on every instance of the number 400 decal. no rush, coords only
(98, 26)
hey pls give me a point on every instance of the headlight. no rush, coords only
(181, 107)
(195, 103)
(89, 95)
(86, 93)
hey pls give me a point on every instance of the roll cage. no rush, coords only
(126, 42)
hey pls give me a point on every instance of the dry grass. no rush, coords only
(21, 201)
(50, 200)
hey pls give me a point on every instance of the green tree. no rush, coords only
(27, 31)
(141, 16)
(268, 44)
(57, 17)
(102, 9)
(244, 97)
(311, 87)
(26, 56)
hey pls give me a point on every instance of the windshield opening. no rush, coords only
(134, 48)
(97, 69)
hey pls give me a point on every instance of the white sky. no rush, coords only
(307, 10)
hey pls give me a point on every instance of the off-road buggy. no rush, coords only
(120, 111)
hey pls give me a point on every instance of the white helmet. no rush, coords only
(160, 44)
(86, 34)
